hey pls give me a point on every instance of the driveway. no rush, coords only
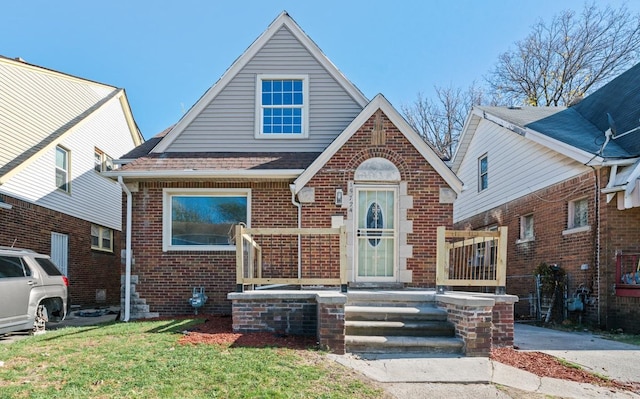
(598, 355)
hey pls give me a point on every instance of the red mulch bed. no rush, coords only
(217, 330)
(544, 365)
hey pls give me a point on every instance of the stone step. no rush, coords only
(394, 313)
(402, 344)
(391, 298)
(400, 328)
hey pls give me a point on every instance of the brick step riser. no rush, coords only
(427, 331)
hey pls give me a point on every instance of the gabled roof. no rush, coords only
(380, 102)
(584, 124)
(283, 20)
(40, 106)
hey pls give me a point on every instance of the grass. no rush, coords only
(144, 360)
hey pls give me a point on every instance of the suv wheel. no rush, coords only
(41, 318)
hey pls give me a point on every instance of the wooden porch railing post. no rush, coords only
(239, 259)
(501, 262)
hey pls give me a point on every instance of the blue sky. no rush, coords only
(166, 54)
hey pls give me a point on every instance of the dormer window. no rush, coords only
(282, 106)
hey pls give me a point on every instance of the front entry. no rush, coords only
(376, 233)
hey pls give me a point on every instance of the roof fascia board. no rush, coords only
(572, 152)
(380, 102)
(47, 71)
(467, 130)
(4, 178)
(186, 174)
(282, 20)
(136, 136)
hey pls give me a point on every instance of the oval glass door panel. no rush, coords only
(375, 234)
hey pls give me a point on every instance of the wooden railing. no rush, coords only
(290, 256)
(471, 259)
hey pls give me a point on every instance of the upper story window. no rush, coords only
(282, 106)
(101, 238)
(102, 161)
(203, 219)
(62, 169)
(483, 172)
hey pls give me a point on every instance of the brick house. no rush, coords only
(57, 134)
(564, 180)
(283, 139)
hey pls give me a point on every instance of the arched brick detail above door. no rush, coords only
(378, 152)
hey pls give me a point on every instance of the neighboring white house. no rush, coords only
(58, 133)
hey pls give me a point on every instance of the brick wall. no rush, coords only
(30, 226)
(166, 279)
(423, 184)
(619, 231)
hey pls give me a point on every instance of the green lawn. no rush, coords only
(144, 360)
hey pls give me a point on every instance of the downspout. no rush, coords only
(127, 274)
(596, 173)
(292, 187)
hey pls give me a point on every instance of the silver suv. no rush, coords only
(32, 291)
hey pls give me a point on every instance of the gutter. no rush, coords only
(127, 275)
(194, 173)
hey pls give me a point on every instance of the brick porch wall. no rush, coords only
(482, 321)
(308, 313)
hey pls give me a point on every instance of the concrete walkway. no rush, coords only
(463, 377)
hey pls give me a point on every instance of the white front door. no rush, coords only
(60, 251)
(376, 233)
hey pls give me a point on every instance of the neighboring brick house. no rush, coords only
(283, 139)
(566, 185)
(57, 134)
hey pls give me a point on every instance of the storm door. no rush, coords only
(376, 233)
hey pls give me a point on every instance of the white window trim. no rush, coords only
(67, 170)
(99, 247)
(305, 108)
(104, 158)
(522, 238)
(480, 158)
(571, 211)
(167, 193)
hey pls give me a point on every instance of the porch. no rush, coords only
(317, 295)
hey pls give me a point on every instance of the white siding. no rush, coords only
(93, 197)
(517, 167)
(227, 124)
(35, 103)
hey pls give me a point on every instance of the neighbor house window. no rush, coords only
(203, 219)
(483, 172)
(102, 161)
(578, 212)
(101, 238)
(282, 106)
(526, 227)
(62, 169)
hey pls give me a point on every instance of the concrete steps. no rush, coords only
(398, 322)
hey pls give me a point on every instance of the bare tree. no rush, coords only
(561, 61)
(439, 122)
